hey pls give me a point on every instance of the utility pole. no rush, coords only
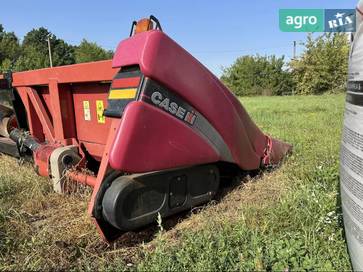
(50, 53)
(294, 51)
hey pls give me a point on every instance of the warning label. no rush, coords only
(100, 108)
(86, 111)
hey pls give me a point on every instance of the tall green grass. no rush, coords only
(287, 219)
(299, 229)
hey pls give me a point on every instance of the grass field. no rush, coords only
(286, 219)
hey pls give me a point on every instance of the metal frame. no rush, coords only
(52, 125)
(45, 120)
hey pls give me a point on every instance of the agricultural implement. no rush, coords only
(154, 126)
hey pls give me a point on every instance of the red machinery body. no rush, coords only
(164, 61)
(155, 112)
(54, 100)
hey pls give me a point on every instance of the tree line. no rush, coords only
(32, 52)
(321, 68)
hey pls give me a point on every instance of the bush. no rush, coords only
(323, 66)
(258, 75)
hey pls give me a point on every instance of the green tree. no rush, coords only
(89, 51)
(323, 65)
(258, 75)
(9, 49)
(35, 53)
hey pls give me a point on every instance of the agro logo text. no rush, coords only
(317, 20)
(298, 21)
(301, 20)
(172, 107)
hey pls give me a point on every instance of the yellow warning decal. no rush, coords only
(100, 108)
(122, 93)
(86, 111)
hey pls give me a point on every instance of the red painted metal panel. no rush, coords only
(163, 60)
(67, 111)
(88, 128)
(34, 124)
(149, 139)
(84, 72)
(41, 113)
(126, 82)
(160, 58)
(49, 101)
(104, 167)
(96, 150)
(43, 93)
(58, 102)
(55, 102)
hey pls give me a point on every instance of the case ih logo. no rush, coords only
(172, 107)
